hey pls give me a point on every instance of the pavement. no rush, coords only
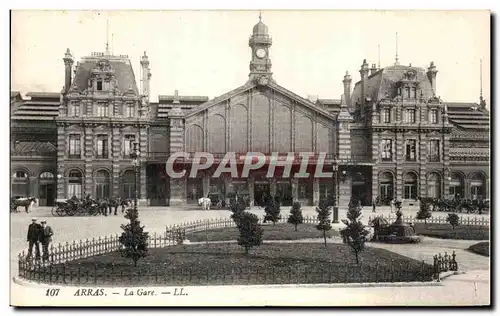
(467, 289)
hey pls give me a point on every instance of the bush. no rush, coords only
(481, 248)
(354, 234)
(296, 217)
(453, 219)
(272, 211)
(237, 209)
(251, 231)
(133, 239)
(324, 213)
(425, 210)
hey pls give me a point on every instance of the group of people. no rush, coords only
(103, 206)
(39, 233)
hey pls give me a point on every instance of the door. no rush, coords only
(46, 195)
(261, 192)
(284, 193)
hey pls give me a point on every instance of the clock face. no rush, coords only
(261, 53)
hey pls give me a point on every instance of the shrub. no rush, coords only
(237, 209)
(250, 230)
(453, 219)
(425, 210)
(354, 234)
(272, 211)
(296, 217)
(324, 213)
(133, 239)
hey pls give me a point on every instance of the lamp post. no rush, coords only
(59, 177)
(135, 155)
(337, 191)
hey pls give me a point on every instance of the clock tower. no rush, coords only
(260, 42)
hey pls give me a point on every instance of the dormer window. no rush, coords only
(407, 92)
(413, 93)
(99, 84)
(386, 115)
(102, 109)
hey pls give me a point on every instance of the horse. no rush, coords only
(26, 202)
(205, 203)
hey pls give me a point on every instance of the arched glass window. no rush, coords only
(75, 184)
(128, 186)
(457, 185)
(477, 186)
(20, 184)
(102, 184)
(410, 186)
(386, 186)
(434, 186)
(46, 175)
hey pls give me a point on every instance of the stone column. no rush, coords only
(251, 182)
(89, 153)
(143, 147)
(177, 191)
(345, 192)
(177, 186)
(116, 154)
(272, 186)
(295, 189)
(315, 191)
(61, 156)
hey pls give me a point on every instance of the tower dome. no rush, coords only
(260, 28)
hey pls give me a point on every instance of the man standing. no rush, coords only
(33, 237)
(46, 233)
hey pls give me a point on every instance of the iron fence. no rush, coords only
(463, 220)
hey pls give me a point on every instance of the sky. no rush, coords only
(206, 52)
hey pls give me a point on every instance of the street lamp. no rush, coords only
(135, 156)
(337, 195)
(59, 177)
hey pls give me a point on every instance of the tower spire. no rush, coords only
(107, 37)
(260, 15)
(378, 46)
(396, 62)
(481, 78)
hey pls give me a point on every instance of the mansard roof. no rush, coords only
(383, 83)
(468, 115)
(123, 72)
(34, 147)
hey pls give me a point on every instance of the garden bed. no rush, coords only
(446, 231)
(226, 263)
(271, 232)
(481, 248)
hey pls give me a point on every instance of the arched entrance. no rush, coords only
(75, 181)
(157, 185)
(434, 186)
(47, 189)
(410, 186)
(477, 186)
(386, 188)
(457, 185)
(102, 184)
(128, 184)
(361, 188)
(20, 184)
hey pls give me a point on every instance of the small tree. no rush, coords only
(296, 217)
(425, 210)
(237, 209)
(453, 220)
(134, 238)
(251, 231)
(354, 234)
(272, 211)
(324, 214)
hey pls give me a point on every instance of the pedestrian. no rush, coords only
(393, 202)
(46, 234)
(33, 238)
(374, 205)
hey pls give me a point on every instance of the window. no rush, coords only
(433, 116)
(99, 85)
(102, 146)
(102, 184)
(106, 86)
(102, 109)
(434, 151)
(46, 175)
(411, 150)
(128, 144)
(130, 110)
(410, 116)
(386, 149)
(434, 186)
(386, 116)
(413, 93)
(74, 110)
(74, 146)
(20, 175)
(407, 92)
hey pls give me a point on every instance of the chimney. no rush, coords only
(347, 88)
(176, 97)
(431, 75)
(364, 75)
(68, 64)
(146, 75)
(373, 69)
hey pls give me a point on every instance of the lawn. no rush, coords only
(271, 232)
(481, 248)
(446, 231)
(218, 264)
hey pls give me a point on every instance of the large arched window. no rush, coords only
(20, 183)
(75, 181)
(457, 185)
(410, 186)
(477, 186)
(386, 187)
(434, 185)
(128, 183)
(102, 184)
